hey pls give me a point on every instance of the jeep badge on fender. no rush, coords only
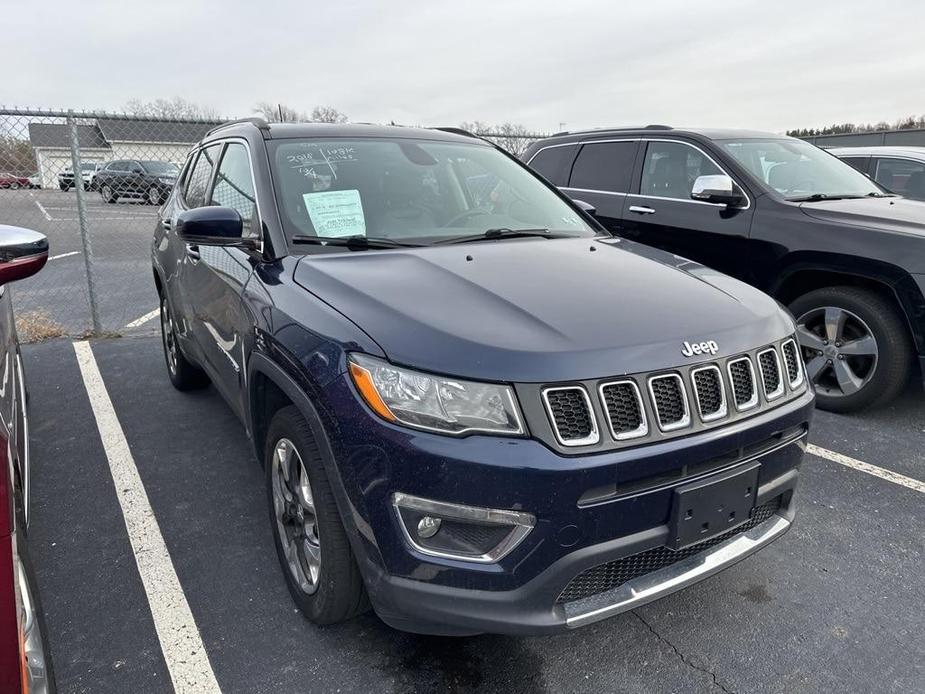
(708, 347)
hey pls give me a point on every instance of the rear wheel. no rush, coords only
(183, 374)
(312, 545)
(64, 186)
(154, 195)
(14, 185)
(856, 347)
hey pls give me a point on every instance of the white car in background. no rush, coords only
(88, 171)
(900, 170)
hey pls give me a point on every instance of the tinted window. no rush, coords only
(117, 166)
(553, 163)
(859, 163)
(195, 193)
(671, 168)
(234, 186)
(903, 176)
(604, 166)
(160, 168)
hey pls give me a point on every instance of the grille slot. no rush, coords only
(708, 392)
(771, 379)
(669, 400)
(742, 378)
(792, 362)
(625, 413)
(572, 418)
(613, 574)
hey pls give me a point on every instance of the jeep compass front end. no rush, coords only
(477, 411)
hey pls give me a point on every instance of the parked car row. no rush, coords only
(14, 182)
(150, 180)
(841, 250)
(900, 170)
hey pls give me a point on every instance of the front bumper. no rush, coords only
(520, 594)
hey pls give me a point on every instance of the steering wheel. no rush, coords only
(466, 215)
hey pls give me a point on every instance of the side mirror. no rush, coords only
(212, 226)
(718, 189)
(585, 207)
(23, 252)
(137, 170)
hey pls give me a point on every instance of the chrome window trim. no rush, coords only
(794, 385)
(779, 391)
(686, 419)
(753, 401)
(589, 440)
(638, 432)
(724, 409)
(697, 202)
(592, 190)
(521, 524)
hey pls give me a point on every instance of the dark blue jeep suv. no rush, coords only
(478, 411)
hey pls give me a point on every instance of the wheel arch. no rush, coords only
(809, 273)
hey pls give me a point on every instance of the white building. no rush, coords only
(113, 138)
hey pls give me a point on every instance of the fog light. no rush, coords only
(455, 531)
(428, 527)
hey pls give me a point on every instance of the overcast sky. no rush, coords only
(767, 65)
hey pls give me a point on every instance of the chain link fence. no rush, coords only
(92, 183)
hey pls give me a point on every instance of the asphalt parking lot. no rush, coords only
(836, 605)
(120, 237)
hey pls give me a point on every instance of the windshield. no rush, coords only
(416, 191)
(161, 168)
(798, 170)
(88, 167)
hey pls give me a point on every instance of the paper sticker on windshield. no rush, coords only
(336, 213)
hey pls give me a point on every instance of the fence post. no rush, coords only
(82, 220)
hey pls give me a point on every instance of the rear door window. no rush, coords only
(553, 163)
(604, 166)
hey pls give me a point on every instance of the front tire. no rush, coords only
(183, 374)
(311, 542)
(154, 195)
(107, 194)
(857, 349)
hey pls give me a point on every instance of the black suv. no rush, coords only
(845, 255)
(150, 180)
(476, 409)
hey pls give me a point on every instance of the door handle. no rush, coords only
(192, 252)
(166, 223)
(639, 209)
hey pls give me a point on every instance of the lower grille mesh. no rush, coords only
(607, 576)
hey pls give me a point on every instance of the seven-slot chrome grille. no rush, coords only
(656, 405)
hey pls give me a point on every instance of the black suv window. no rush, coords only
(903, 176)
(604, 166)
(670, 169)
(234, 185)
(553, 163)
(195, 194)
(117, 166)
(859, 163)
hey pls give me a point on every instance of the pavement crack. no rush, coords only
(684, 659)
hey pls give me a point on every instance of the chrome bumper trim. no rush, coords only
(659, 583)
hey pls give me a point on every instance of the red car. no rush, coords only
(25, 665)
(8, 180)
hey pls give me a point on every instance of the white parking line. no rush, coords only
(184, 653)
(63, 255)
(41, 209)
(143, 319)
(880, 472)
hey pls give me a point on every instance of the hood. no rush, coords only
(540, 310)
(897, 215)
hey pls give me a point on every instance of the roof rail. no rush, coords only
(259, 121)
(457, 131)
(623, 127)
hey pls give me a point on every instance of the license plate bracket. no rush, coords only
(713, 505)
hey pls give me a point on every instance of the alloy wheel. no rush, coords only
(154, 195)
(169, 336)
(296, 521)
(839, 349)
(107, 193)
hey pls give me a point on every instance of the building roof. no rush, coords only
(145, 130)
(56, 135)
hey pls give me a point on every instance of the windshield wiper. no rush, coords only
(875, 194)
(359, 243)
(501, 233)
(816, 197)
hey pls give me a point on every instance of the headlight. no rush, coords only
(435, 403)
(166, 181)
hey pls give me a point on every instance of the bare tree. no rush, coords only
(280, 113)
(177, 107)
(513, 137)
(327, 114)
(16, 156)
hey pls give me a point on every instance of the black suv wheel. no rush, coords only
(310, 539)
(855, 345)
(183, 374)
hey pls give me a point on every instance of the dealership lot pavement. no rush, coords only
(835, 605)
(120, 237)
